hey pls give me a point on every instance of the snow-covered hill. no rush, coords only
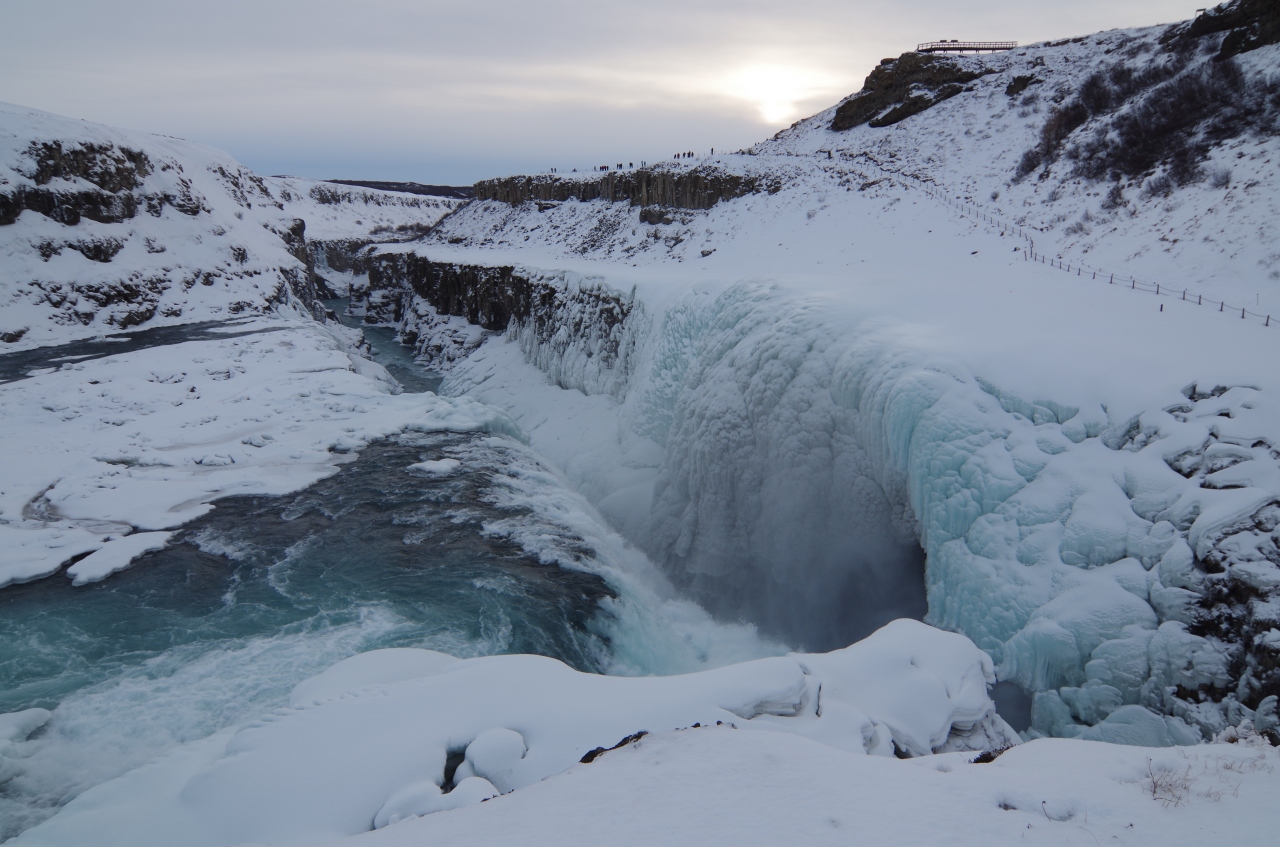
(103, 229)
(1142, 152)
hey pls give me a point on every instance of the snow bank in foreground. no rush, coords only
(719, 786)
(375, 738)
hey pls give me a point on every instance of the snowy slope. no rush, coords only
(1215, 234)
(711, 792)
(344, 212)
(792, 402)
(104, 229)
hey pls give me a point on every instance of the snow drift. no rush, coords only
(395, 734)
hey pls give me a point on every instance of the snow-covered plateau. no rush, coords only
(968, 347)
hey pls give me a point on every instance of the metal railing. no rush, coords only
(965, 46)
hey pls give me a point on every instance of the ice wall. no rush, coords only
(1107, 564)
(1082, 551)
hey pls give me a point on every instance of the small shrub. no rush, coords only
(1029, 162)
(1096, 94)
(1114, 199)
(1220, 177)
(1158, 186)
(1020, 84)
(1169, 787)
(1062, 121)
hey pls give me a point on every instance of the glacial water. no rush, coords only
(264, 592)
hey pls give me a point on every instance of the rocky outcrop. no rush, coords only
(114, 176)
(162, 230)
(700, 187)
(898, 88)
(554, 318)
(1248, 24)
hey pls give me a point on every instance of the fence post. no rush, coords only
(1242, 314)
(1222, 305)
(1113, 280)
(1135, 284)
(1200, 300)
(1157, 289)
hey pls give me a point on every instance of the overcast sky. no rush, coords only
(450, 91)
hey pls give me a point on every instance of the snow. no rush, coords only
(336, 212)
(187, 233)
(366, 742)
(16, 726)
(772, 427)
(149, 439)
(436, 467)
(705, 786)
(115, 555)
(811, 381)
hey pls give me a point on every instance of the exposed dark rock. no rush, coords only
(1248, 24)
(591, 755)
(109, 167)
(543, 312)
(455, 192)
(696, 188)
(98, 249)
(895, 90)
(303, 284)
(654, 215)
(1020, 84)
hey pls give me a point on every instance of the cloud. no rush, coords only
(455, 90)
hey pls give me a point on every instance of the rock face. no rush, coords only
(899, 88)
(1248, 24)
(106, 229)
(554, 317)
(696, 188)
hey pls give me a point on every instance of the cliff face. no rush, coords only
(553, 317)
(700, 187)
(106, 229)
(899, 88)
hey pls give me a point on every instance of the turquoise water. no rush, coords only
(264, 592)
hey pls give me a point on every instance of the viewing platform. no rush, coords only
(954, 46)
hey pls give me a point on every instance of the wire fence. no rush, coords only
(969, 209)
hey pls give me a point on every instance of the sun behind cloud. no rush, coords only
(778, 90)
